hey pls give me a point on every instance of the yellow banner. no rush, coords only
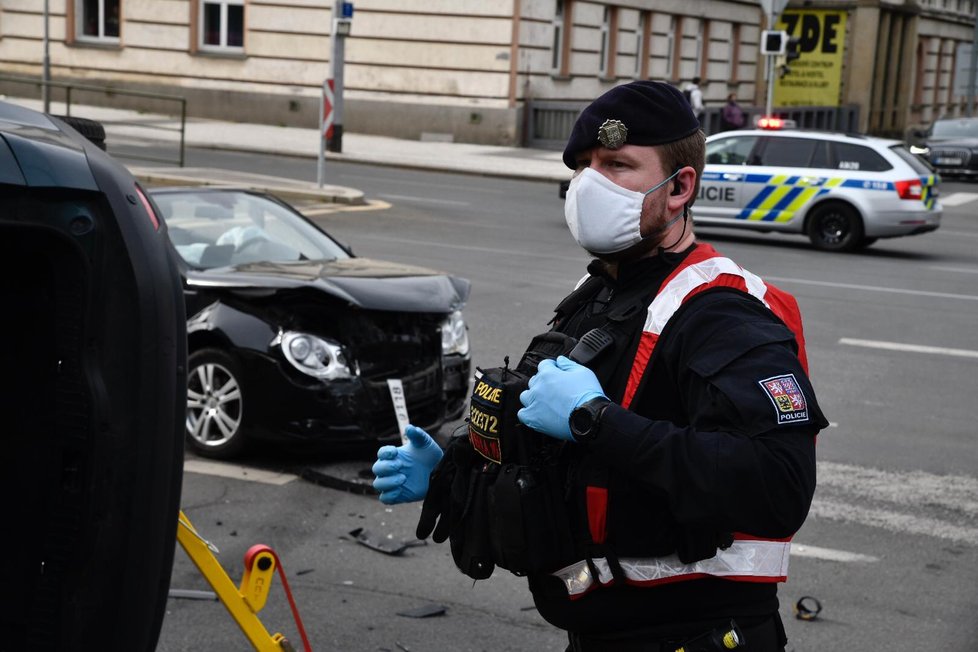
(815, 78)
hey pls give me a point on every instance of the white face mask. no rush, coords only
(602, 216)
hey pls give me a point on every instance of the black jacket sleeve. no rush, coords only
(744, 460)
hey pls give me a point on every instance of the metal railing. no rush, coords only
(71, 91)
(549, 123)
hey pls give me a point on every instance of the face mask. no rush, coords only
(602, 216)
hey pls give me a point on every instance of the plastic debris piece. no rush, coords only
(384, 545)
(191, 594)
(427, 611)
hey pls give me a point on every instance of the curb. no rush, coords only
(278, 186)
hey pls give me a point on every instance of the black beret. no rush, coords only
(637, 113)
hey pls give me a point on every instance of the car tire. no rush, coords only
(90, 129)
(835, 227)
(215, 424)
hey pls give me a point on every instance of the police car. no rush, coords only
(843, 191)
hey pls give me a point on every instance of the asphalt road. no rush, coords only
(891, 545)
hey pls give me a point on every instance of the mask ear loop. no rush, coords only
(684, 215)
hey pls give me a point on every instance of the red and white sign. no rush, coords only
(327, 109)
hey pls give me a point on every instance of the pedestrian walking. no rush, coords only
(694, 96)
(732, 116)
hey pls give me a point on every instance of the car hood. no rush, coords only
(362, 282)
(954, 142)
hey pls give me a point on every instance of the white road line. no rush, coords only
(828, 554)
(961, 270)
(958, 198)
(912, 348)
(893, 520)
(237, 472)
(914, 502)
(371, 205)
(426, 200)
(873, 288)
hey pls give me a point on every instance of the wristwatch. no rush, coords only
(585, 419)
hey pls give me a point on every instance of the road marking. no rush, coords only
(371, 205)
(873, 288)
(912, 348)
(914, 502)
(958, 198)
(237, 472)
(828, 554)
(960, 270)
(427, 200)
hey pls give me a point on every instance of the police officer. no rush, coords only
(693, 440)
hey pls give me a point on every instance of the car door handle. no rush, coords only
(727, 176)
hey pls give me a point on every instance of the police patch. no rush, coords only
(789, 401)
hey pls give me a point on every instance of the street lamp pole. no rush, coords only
(46, 71)
(770, 72)
(973, 68)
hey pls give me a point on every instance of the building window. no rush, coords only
(97, 20)
(609, 43)
(221, 24)
(734, 53)
(642, 45)
(671, 47)
(605, 45)
(557, 62)
(563, 22)
(702, 49)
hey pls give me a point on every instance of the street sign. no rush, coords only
(327, 123)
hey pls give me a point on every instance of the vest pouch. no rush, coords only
(530, 529)
(470, 538)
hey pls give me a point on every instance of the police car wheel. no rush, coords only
(835, 227)
(215, 405)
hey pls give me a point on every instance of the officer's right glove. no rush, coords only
(402, 471)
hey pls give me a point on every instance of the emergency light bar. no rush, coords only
(774, 123)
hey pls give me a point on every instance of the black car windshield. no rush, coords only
(961, 128)
(222, 228)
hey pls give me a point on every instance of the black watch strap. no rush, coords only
(585, 420)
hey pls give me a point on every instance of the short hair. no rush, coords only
(696, 80)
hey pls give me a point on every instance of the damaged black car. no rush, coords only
(292, 337)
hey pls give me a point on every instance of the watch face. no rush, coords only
(581, 421)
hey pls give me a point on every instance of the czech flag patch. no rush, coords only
(789, 401)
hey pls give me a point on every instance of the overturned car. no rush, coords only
(291, 337)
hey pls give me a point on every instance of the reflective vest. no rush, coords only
(749, 558)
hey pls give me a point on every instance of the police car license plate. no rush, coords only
(948, 160)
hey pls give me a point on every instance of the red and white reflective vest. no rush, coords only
(749, 558)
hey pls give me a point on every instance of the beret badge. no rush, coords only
(612, 133)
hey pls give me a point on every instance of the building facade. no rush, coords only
(476, 71)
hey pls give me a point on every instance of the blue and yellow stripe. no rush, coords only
(782, 196)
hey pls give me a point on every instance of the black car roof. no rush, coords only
(35, 150)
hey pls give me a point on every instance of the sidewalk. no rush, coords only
(130, 127)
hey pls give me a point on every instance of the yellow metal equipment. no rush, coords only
(244, 602)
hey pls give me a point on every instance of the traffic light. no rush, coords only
(791, 49)
(790, 54)
(773, 41)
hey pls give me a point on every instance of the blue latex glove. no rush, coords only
(402, 471)
(557, 388)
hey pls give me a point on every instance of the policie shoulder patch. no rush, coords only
(789, 402)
